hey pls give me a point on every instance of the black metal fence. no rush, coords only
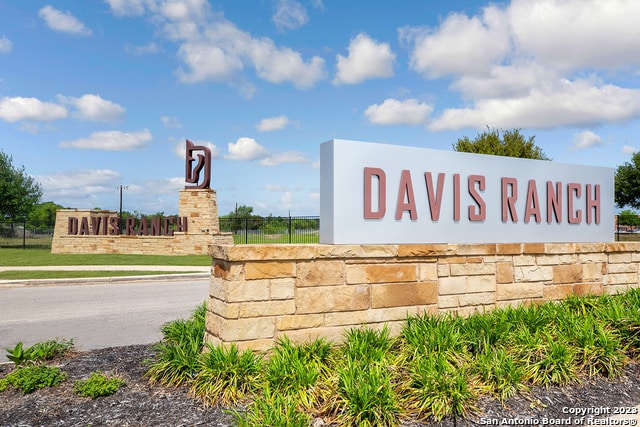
(272, 229)
(25, 234)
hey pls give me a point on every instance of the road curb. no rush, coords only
(101, 280)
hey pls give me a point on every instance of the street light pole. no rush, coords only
(121, 187)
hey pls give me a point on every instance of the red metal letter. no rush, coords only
(509, 201)
(369, 173)
(435, 200)
(481, 213)
(406, 188)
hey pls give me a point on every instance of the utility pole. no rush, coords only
(121, 187)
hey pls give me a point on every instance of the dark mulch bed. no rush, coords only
(139, 404)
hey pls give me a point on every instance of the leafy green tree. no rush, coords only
(19, 192)
(628, 217)
(44, 214)
(627, 183)
(510, 143)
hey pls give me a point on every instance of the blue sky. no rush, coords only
(94, 94)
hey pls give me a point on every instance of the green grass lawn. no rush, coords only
(43, 257)
(73, 274)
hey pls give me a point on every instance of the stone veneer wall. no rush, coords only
(199, 206)
(259, 293)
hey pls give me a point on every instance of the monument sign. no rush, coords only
(378, 193)
(191, 232)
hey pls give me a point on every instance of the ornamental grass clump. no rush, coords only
(439, 386)
(177, 359)
(226, 375)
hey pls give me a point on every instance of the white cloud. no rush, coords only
(577, 33)
(78, 184)
(127, 7)
(286, 157)
(63, 22)
(94, 108)
(5, 45)
(246, 149)
(146, 49)
(394, 112)
(214, 49)
(460, 45)
(274, 187)
(586, 139)
(567, 103)
(287, 199)
(18, 108)
(171, 122)
(367, 60)
(289, 15)
(181, 151)
(627, 149)
(522, 64)
(273, 123)
(111, 141)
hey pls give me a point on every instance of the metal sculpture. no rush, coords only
(193, 173)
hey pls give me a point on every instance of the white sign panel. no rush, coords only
(378, 193)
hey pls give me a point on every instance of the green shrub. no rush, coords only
(97, 385)
(33, 377)
(270, 410)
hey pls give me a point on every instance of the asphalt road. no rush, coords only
(95, 315)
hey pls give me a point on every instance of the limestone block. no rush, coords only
(227, 270)
(280, 289)
(620, 247)
(430, 250)
(332, 298)
(218, 288)
(600, 257)
(447, 301)
(403, 294)
(427, 272)
(373, 316)
(621, 279)
(356, 251)
(583, 289)
(477, 249)
(533, 248)
(452, 285)
(590, 247)
(622, 258)
(259, 346)
(592, 272)
(482, 298)
(472, 269)
(444, 270)
(481, 284)
(504, 272)
(241, 291)
(299, 321)
(631, 267)
(559, 248)
(381, 273)
(556, 259)
(571, 273)
(247, 329)
(533, 273)
(506, 291)
(266, 308)
(268, 270)
(334, 334)
(524, 260)
(616, 289)
(557, 292)
(509, 249)
(320, 273)
(223, 309)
